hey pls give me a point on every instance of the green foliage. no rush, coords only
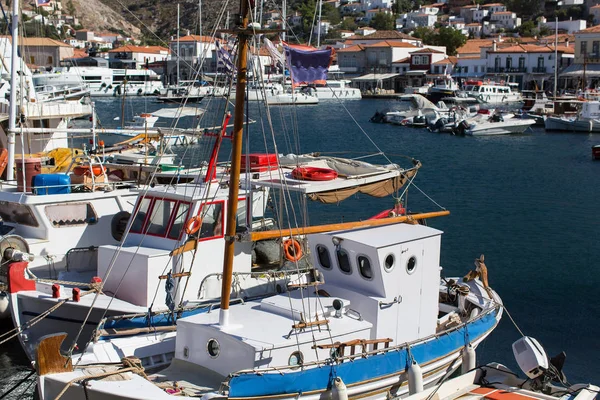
(527, 29)
(331, 14)
(402, 6)
(383, 22)
(70, 7)
(348, 24)
(525, 9)
(544, 31)
(444, 36)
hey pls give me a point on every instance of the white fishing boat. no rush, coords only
(374, 307)
(493, 92)
(586, 120)
(298, 96)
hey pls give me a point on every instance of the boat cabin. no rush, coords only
(380, 284)
(162, 220)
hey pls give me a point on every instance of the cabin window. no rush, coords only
(71, 214)
(389, 263)
(181, 217)
(160, 216)
(364, 267)
(411, 265)
(343, 261)
(296, 359)
(241, 216)
(213, 348)
(323, 256)
(16, 213)
(212, 220)
(140, 215)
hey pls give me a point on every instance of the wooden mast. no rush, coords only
(234, 182)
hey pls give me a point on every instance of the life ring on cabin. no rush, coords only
(292, 250)
(193, 225)
(314, 174)
(145, 115)
(88, 170)
(404, 122)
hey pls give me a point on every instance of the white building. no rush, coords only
(474, 29)
(140, 54)
(494, 7)
(568, 26)
(505, 19)
(370, 14)
(416, 19)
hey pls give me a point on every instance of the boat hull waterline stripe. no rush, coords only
(359, 370)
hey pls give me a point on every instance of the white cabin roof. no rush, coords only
(383, 236)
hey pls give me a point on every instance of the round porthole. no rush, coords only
(213, 348)
(296, 359)
(411, 265)
(389, 262)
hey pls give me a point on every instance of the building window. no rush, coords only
(436, 69)
(521, 62)
(508, 62)
(595, 48)
(583, 48)
(540, 62)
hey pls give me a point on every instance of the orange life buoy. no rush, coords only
(193, 225)
(314, 174)
(145, 115)
(88, 170)
(292, 250)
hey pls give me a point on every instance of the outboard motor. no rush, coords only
(534, 362)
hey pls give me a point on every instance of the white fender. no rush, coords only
(4, 305)
(469, 359)
(415, 378)
(339, 391)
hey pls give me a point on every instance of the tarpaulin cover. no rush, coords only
(308, 66)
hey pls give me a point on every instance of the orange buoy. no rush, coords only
(292, 250)
(88, 170)
(314, 174)
(193, 225)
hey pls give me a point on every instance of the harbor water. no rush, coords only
(528, 202)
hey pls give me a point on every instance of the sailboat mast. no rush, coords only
(236, 156)
(319, 24)
(177, 83)
(12, 111)
(555, 56)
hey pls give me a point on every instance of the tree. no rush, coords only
(348, 24)
(527, 29)
(71, 8)
(331, 14)
(383, 22)
(402, 6)
(444, 36)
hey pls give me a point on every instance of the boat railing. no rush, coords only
(73, 187)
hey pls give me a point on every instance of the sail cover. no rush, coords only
(307, 65)
(178, 112)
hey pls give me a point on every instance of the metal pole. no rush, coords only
(177, 83)
(284, 18)
(12, 110)
(319, 24)
(555, 56)
(236, 156)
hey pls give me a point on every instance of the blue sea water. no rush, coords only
(528, 202)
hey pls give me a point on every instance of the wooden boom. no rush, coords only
(254, 236)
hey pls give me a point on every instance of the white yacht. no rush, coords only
(102, 80)
(337, 90)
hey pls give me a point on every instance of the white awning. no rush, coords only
(374, 77)
(418, 72)
(576, 70)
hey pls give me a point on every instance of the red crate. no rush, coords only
(260, 162)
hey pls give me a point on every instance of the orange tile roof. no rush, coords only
(593, 29)
(446, 61)
(524, 48)
(473, 24)
(38, 41)
(79, 53)
(492, 5)
(352, 49)
(596, 6)
(474, 46)
(385, 43)
(139, 49)
(427, 50)
(469, 58)
(405, 60)
(195, 38)
(503, 13)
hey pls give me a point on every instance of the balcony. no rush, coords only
(507, 70)
(539, 70)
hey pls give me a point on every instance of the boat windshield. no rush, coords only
(472, 88)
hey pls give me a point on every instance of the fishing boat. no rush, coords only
(374, 305)
(586, 120)
(189, 92)
(493, 92)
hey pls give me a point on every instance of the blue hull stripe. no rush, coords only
(359, 370)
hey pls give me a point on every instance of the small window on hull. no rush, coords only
(343, 261)
(323, 256)
(364, 267)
